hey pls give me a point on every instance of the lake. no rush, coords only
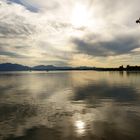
(77, 105)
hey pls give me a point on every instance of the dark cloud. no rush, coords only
(61, 55)
(53, 23)
(2, 45)
(119, 45)
(28, 6)
(56, 63)
(17, 29)
(60, 25)
(36, 6)
(21, 47)
(12, 54)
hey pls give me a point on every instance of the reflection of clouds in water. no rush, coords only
(97, 91)
(106, 120)
(53, 108)
(32, 85)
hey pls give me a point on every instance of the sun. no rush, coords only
(80, 16)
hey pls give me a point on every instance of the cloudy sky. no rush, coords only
(70, 32)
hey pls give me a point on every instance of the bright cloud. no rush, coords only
(61, 32)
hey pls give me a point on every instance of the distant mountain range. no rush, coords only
(18, 67)
(13, 67)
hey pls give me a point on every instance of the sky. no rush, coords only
(101, 33)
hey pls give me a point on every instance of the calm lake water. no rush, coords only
(83, 105)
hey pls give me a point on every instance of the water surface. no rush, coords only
(84, 105)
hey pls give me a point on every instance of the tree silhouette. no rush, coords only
(138, 21)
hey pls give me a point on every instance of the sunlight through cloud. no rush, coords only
(80, 16)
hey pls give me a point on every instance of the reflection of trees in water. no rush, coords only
(133, 73)
(125, 73)
(120, 73)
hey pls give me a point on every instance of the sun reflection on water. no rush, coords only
(80, 127)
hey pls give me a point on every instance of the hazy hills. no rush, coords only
(13, 67)
(18, 67)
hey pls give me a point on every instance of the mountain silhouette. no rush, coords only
(18, 67)
(13, 67)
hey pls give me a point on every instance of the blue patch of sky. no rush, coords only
(28, 6)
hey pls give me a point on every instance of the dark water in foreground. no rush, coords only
(70, 106)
